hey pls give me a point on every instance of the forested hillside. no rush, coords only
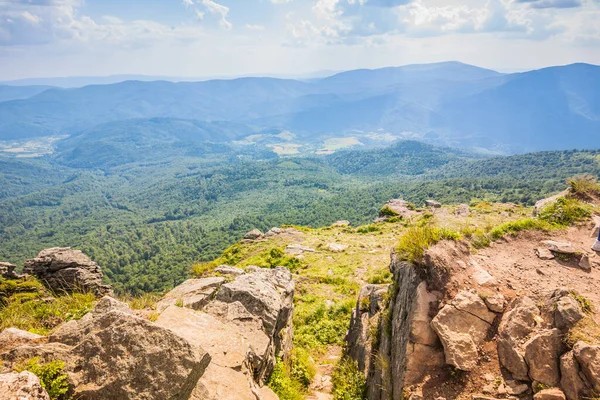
(145, 223)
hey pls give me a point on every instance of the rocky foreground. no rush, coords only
(214, 338)
(515, 319)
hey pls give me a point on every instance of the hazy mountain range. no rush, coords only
(446, 103)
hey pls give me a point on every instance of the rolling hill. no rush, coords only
(446, 104)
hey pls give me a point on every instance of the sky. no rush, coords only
(201, 38)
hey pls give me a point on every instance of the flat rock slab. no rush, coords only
(544, 253)
(559, 247)
(227, 347)
(193, 293)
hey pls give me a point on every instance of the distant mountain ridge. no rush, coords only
(449, 103)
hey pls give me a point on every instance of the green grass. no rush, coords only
(566, 211)
(41, 316)
(145, 301)
(514, 227)
(348, 381)
(283, 385)
(585, 186)
(317, 325)
(417, 239)
(51, 376)
(386, 211)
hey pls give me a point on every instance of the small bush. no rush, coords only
(585, 186)
(51, 376)
(348, 381)
(283, 385)
(386, 211)
(565, 211)
(303, 367)
(318, 325)
(368, 229)
(416, 240)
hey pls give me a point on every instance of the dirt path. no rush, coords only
(322, 385)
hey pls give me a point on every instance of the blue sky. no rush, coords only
(195, 38)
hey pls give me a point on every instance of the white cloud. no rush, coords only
(255, 27)
(219, 9)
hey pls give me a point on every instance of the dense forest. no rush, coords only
(146, 222)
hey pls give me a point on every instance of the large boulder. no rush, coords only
(542, 354)
(515, 327)
(254, 234)
(21, 386)
(193, 293)
(113, 354)
(462, 327)
(219, 383)
(63, 269)
(588, 358)
(397, 207)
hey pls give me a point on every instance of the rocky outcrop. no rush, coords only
(22, 386)
(397, 207)
(63, 269)
(433, 204)
(112, 354)
(254, 234)
(542, 355)
(462, 326)
(244, 324)
(7, 271)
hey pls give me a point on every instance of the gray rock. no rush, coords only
(495, 303)
(65, 270)
(588, 358)
(298, 249)
(542, 354)
(116, 355)
(567, 313)
(12, 337)
(550, 394)
(337, 247)
(254, 234)
(273, 232)
(7, 271)
(22, 386)
(516, 325)
(559, 247)
(572, 384)
(228, 270)
(433, 203)
(544, 254)
(585, 263)
(193, 293)
(462, 326)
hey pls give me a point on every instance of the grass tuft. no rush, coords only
(416, 240)
(566, 211)
(584, 186)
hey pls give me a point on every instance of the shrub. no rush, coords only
(386, 211)
(416, 240)
(51, 376)
(283, 385)
(565, 211)
(303, 366)
(319, 325)
(368, 229)
(348, 381)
